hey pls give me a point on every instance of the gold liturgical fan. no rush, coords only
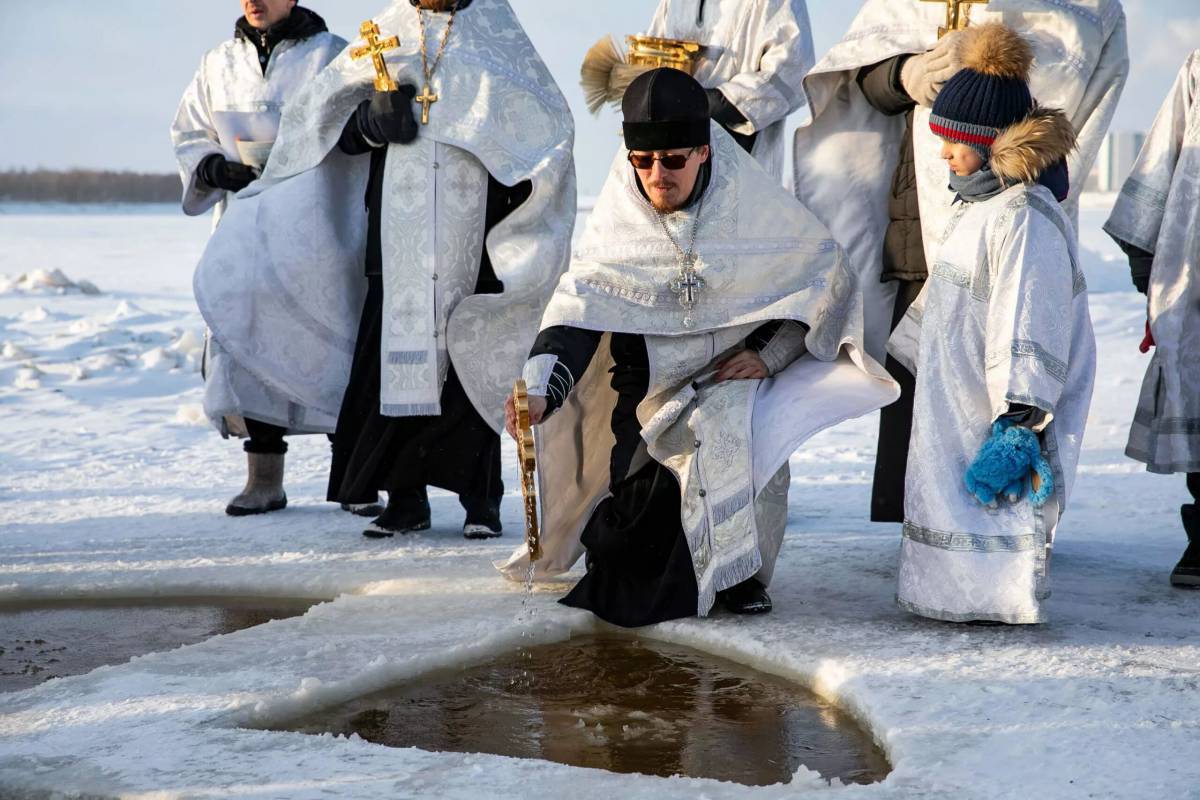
(527, 457)
(652, 52)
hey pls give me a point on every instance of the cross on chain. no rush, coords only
(375, 49)
(955, 19)
(426, 98)
(688, 285)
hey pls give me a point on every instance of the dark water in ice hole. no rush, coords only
(43, 641)
(621, 705)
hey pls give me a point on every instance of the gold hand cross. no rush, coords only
(955, 19)
(375, 49)
(426, 98)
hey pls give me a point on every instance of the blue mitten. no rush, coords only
(1005, 463)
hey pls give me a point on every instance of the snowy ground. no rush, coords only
(112, 486)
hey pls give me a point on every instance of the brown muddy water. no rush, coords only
(39, 642)
(621, 705)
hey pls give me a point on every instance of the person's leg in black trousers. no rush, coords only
(1187, 571)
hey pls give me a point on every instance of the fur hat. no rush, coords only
(990, 92)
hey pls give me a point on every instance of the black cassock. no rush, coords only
(457, 450)
(639, 565)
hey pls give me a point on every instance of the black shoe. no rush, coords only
(483, 518)
(1187, 572)
(364, 509)
(401, 518)
(748, 597)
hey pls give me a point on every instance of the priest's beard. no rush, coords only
(669, 198)
(437, 5)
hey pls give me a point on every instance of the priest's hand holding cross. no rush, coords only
(387, 118)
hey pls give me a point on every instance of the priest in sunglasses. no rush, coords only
(707, 326)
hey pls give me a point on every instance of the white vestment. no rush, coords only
(297, 237)
(1003, 319)
(230, 80)
(756, 52)
(762, 257)
(847, 155)
(1157, 211)
(230, 83)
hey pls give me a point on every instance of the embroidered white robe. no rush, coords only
(298, 235)
(763, 257)
(846, 157)
(230, 79)
(758, 53)
(1157, 211)
(1003, 319)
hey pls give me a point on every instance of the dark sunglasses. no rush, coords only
(671, 161)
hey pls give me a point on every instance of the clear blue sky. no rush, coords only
(95, 84)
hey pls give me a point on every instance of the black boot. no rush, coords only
(748, 597)
(483, 517)
(1187, 571)
(404, 514)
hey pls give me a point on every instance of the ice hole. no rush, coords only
(53, 640)
(618, 704)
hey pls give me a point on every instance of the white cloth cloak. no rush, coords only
(1157, 211)
(763, 257)
(1003, 319)
(297, 237)
(846, 156)
(758, 51)
(231, 80)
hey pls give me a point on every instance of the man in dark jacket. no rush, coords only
(897, 86)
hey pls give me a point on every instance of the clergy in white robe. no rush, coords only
(404, 318)
(756, 54)
(680, 383)
(869, 168)
(222, 133)
(247, 80)
(1000, 338)
(1156, 221)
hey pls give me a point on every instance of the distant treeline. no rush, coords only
(87, 186)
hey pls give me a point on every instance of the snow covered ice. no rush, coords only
(112, 486)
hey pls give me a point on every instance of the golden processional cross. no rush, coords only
(956, 19)
(375, 48)
(527, 455)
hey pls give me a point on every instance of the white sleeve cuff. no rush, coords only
(537, 374)
(787, 345)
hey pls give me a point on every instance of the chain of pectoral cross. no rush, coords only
(427, 98)
(689, 282)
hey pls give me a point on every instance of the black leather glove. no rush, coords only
(219, 172)
(387, 118)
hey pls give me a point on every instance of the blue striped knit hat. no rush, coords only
(990, 92)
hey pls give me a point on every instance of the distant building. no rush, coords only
(1118, 151)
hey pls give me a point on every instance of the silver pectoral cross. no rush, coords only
(687, 286)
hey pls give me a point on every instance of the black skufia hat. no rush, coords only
(665, 109)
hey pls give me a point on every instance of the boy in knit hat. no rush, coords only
(1001, 402)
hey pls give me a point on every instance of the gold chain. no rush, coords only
(441, 47)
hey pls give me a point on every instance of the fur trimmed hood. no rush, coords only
(1025, 150)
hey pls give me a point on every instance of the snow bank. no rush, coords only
(42, 281)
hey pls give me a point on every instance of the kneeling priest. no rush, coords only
(707, 326)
